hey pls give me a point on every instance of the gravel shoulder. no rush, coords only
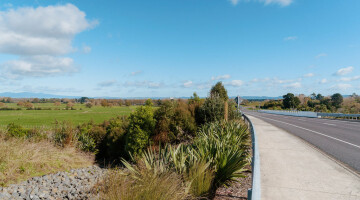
(75, 184)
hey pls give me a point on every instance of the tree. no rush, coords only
(127, 102)
(313, 96)
(219, 90)
(35, 100)
(149, 102)
(83, 99)
(69, 105)
(194, 99)
(28, 105)
(290, 101)
(319, 97)
(337, 100)
(57, 103)
(104, 103)
(212, 110)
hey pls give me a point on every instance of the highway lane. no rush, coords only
(339, 139)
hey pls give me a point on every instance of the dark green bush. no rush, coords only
(212, 110)
(141, 127)
(112, 146)
(90, 136)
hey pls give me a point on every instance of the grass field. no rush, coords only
(47, 118)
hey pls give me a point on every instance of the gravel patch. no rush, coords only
(75, 184)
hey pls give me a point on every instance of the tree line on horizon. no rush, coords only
(315, 102)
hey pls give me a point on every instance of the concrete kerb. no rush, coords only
(254, 193)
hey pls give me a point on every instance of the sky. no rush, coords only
(172, 48)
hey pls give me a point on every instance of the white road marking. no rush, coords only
(334, 138)
(329, 124)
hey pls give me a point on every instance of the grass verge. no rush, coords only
(21, 159)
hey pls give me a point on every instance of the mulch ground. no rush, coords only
(237, 190)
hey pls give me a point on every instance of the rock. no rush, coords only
(75, 184)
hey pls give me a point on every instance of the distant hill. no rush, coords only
(48, 96)
(34, 95)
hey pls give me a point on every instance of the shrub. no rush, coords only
(233, 112)
(29, 105)
(201, 177)
(174, 122)
(89, 105)
(104, 103)
(212, 110)
(90, 136)
(64, 134)
(69, 105)
(141, 126)
(226, 145)
(112, 146)
(144, 185)
(218, 155)
(149, 102)
(36, 134)
(14, 130)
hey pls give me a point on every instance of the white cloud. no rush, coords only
(294, 85)
(41, 31)
(86, 49)
(320, 55)
(266, 2)
(39, 36)
(234, 2)
(143, 84)
(290, 38)
(107, 83)
(344, 71)
(7, 5)
(280, 2)
(38, 66)
(280, 81)
(308, 75)
(221, 77)
(136, 73)
(354, 78)
(235, 83)
(342, 86)
(323, 81)
(187, 84)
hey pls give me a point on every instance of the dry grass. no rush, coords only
(21, 159)
(145, 186)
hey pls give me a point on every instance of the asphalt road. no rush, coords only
(338, 138)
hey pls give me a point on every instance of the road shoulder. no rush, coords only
(291, 169)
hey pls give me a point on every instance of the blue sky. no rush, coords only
(172, 48)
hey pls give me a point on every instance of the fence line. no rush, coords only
(255, 192)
